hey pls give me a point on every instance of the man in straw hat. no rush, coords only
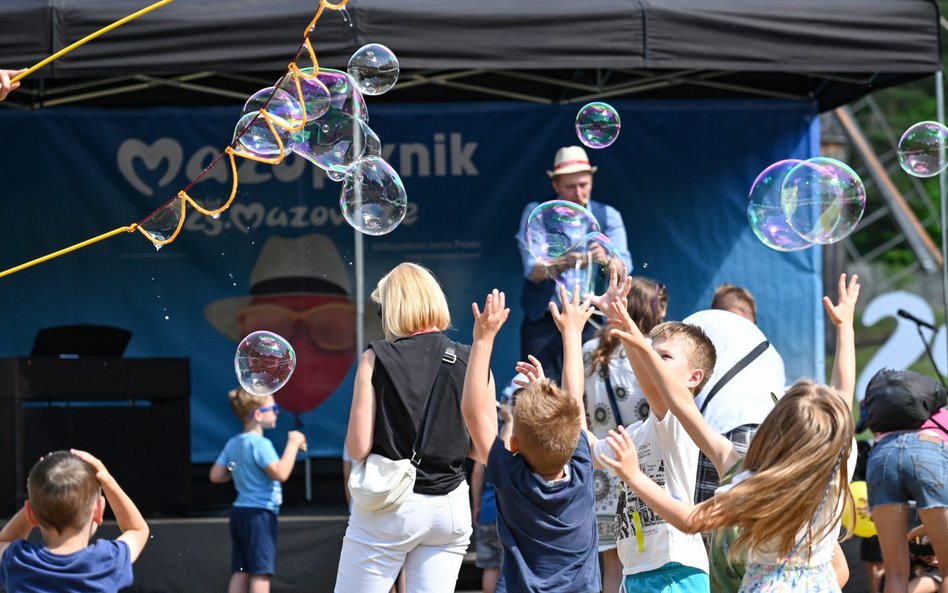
(299, 289)
(572, 179)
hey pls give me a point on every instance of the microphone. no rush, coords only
(906, 315)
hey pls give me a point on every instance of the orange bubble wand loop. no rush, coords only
(89, 38)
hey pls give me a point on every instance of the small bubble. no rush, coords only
(231, 466)
(645, 265)
(216, 215)
(167, 317)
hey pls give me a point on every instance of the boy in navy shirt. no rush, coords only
(66, 503)
(544, 482)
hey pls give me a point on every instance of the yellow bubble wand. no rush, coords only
(173, 209)
(89, 38)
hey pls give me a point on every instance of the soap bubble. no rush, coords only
(597, 125)
(822, 199)
(373, 68)
(231, 466)
(765, 213)
(555, 227)
(259, 139)
(373, 199)
(264, 362)
(592, 261)
(922, 149)
(335, 141)
(316, 97)
(279, 104)
(343, 94)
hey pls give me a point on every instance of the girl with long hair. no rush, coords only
(788, 500)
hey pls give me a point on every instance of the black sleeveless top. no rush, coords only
(404, 373)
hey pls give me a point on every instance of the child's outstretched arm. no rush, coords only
(625, 462)
(479, 399)
(676, 395)
(18, 527)
(620, 319)
(570, 321)
(842, 315)
(281, 469)
(130, 521)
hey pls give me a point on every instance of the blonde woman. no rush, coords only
(429, 532)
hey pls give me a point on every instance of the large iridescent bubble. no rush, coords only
(335, 141)
(589, 265)
(922, 149)
(597, 125)
(373, 68)
(316, 97)
(373, 198)
(765, 213)
(259, 139)
(264, 362)
(554, 228)
(823, 199)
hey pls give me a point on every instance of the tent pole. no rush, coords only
(942, 194)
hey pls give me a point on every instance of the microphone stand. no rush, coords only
(928, 350)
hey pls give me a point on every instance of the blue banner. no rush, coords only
(679, 174)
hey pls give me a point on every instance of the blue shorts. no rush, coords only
(670, 578)
(254, 535)
(908, 466)
(490, 552)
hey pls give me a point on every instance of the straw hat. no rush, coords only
(570, 159)
(305, 265)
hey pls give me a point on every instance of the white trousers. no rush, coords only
(427, 535)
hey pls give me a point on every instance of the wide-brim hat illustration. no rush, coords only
(571, 159)
(306, 265)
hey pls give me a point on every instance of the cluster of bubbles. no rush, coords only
(566, 238)
(922, 149)
(795, 204)
(264, 362)
(597, 125)
(321, 116)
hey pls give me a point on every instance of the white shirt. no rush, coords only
(669, 457)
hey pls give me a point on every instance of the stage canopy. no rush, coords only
(546, 51)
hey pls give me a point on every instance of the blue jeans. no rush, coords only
(908, 466)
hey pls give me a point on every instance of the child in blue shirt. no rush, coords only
(250, 460)
(544, 481)
(66, 503)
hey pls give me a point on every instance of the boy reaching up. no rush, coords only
(66, 504)
(544, 482)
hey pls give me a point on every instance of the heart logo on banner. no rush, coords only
(247, 217)
(163, 149)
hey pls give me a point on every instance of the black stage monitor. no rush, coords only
(74, 341)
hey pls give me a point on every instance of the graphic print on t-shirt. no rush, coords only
(631, 505)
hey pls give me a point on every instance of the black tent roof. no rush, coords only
(538, 50)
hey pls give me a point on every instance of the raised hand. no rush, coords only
(101, 473)
(624, 458)
(844, 311)
(615, 291)
(488, 323)
(532, 369)
(575, 313)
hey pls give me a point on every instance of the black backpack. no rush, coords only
(901, 400)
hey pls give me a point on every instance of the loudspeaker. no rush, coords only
(133, 414)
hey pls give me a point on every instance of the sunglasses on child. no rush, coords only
(275, 408)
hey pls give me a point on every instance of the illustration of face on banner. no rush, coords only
(299, 290)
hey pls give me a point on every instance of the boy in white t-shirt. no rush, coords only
(656, 556)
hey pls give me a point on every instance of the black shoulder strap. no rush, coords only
(612, 400)
(421, 437)
(738, 367)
